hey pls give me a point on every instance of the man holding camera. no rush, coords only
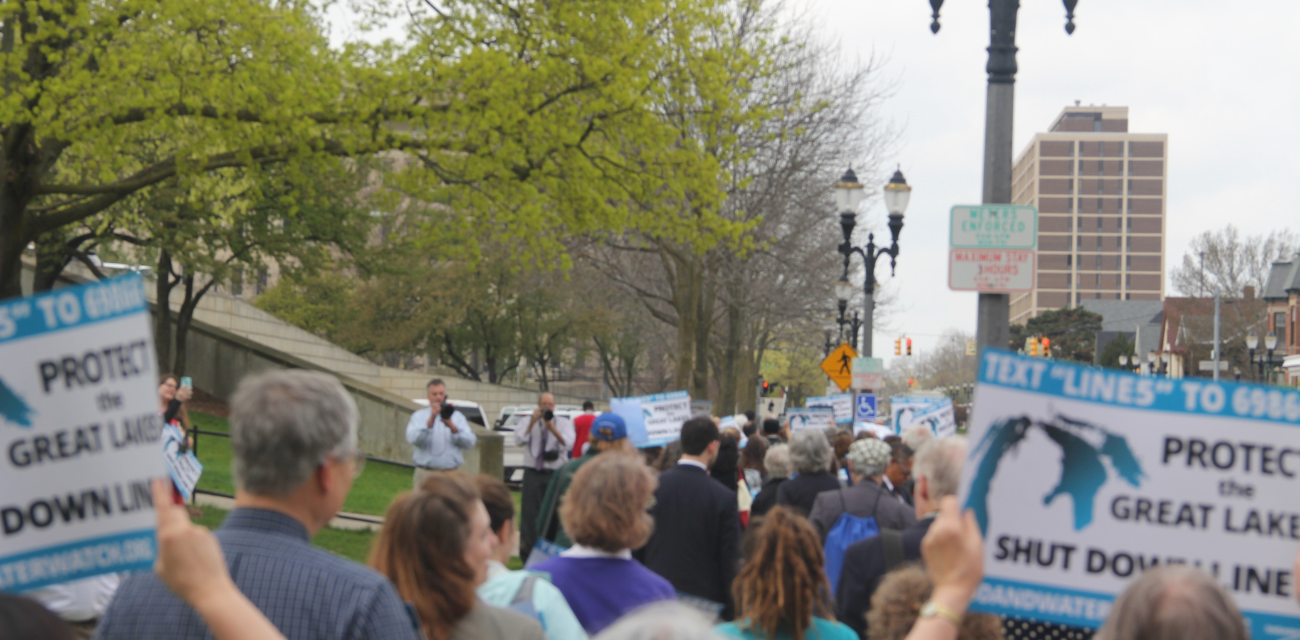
(546, 439)
(439, 434)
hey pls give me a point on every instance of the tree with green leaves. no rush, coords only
(1071, 330)
(1120, 345)
(532, 120)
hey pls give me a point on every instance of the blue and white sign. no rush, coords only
(840, 403)
(80, 428)
(1081, 478)
(656, 420)
(865, 408)
(814, 418)
(935, 413)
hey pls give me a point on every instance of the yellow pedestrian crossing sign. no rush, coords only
(839, 365)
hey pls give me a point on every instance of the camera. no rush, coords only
(548, 415)
(446, 412)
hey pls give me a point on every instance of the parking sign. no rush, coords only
(865, 408)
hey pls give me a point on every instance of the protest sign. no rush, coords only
(655, 420)
(701, 408)
(80, 428)
(183, 468)
(882, 431)
(1080, 478)
(840, 403)
(936, 413)
(811, 418)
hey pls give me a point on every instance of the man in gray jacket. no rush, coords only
(866, 498)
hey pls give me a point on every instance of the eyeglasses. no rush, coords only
(358, 460)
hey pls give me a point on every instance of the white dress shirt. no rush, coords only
(531, 441)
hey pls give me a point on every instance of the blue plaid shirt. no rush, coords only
(308, 593)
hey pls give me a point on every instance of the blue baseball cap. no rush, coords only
(608, 427)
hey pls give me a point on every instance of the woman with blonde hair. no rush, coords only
(780, 593)
(434, 547)
(608, 433)
(605, 514)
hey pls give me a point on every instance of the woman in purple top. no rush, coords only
(604, 512)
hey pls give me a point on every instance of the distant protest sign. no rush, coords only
(656, 420)
(1081, 478)
(840, 403)
(80, 430)
(935, 413)
(814, 418)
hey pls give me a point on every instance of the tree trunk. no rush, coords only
(185, 319)
(685, 299)
(162, 327)
(49, 263)
(728, 376)
(703, 332)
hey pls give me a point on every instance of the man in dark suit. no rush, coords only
(937, 469)
(696, 540)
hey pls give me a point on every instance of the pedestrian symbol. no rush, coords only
(839, 365)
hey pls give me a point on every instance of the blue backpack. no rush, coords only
(847, 530)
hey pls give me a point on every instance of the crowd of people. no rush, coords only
(725, 533)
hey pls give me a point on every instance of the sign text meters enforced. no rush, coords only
(993, 248)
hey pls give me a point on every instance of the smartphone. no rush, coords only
(187, 382)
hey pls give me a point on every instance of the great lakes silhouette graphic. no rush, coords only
(12, 407)
(1083, 445)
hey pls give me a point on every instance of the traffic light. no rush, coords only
(1031, 346)
(898, 346)
(765, 386)
(909, 346)
(911, 383)
(1046, 348)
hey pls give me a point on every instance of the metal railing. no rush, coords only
(195, 432)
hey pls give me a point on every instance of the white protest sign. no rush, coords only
(655, 420)
(814, 418)
(1081, 478)
(936, 413)
(882, 431)
(183, 468)
(840, 403)
(80, 429)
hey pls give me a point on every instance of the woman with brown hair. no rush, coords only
(434, 547)
(604, 512)
(898, 601)
(781, 591)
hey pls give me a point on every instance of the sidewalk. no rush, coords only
(204, 500)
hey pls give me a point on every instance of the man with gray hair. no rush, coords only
(810, 454)
(1175, 601)
(866, 498)
(937, 470)
(294, 439)
(777, 463)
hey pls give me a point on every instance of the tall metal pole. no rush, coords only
(1217, 347)
(993, 326)
(868, 312)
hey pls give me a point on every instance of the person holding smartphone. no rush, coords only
(546, 439)
(439, 433)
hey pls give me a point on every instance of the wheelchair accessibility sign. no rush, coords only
(865, 407)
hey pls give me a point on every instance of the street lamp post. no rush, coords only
(993, 326)
(848, 195)
(844, 291)
(1123, 360)
(1266, 365)
(1252, 343)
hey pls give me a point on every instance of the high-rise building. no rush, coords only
(1100, 193)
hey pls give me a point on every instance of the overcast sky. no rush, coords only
(1220, 78)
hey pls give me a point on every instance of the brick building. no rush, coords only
(1100, 193)
(1282, 293)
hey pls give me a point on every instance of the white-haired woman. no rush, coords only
(810, 454)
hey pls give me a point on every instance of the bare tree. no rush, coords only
(1225, 262)
(730, 304)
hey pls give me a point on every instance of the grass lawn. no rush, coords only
(354, 545)
(378, 485)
